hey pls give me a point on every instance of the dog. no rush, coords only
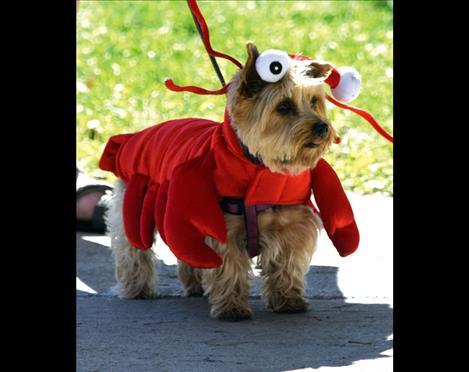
(282, 126)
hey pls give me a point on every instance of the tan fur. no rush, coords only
(287, 234)
(288, 241)
(227, 287)
(191, 279)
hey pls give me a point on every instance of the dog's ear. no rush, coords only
(251, 82)
(318, 70)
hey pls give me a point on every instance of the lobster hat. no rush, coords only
(272, 65)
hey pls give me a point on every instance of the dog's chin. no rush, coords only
(305, 160)
(307, 152)
(312, 145)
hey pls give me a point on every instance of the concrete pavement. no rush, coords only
(349, 326)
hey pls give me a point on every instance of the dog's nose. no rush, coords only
(320, 128)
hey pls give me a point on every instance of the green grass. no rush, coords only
(126, 49)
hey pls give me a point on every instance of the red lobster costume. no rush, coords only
(179, 173)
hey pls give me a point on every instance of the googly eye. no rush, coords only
(272, 65)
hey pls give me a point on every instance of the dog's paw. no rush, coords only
(232, 314)
(291, 306)
(132, 293)
(147, 294)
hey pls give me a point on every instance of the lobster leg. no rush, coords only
(193, 212)
(335, 209)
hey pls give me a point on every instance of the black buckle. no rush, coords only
(227, 205)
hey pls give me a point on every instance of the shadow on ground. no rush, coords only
(176, 334)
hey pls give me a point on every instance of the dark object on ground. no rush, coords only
(86, 185)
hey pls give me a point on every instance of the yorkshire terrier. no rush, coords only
(282, 125)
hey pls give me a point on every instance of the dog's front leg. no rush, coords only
(288, 240)
(227, 287)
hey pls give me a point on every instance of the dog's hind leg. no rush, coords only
(288, 241)
(134, 268)
(190, 278)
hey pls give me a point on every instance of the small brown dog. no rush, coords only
(282, 124)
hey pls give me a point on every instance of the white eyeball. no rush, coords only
(272, 65)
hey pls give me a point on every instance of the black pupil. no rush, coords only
(276, 68)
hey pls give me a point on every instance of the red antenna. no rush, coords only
(204, 34)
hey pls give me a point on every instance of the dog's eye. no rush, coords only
(286, 107)
(272, 65)
(314, 102)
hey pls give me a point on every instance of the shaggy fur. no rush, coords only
(135, 269)
(275, 122)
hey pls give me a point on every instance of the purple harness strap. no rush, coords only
(236, 206)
